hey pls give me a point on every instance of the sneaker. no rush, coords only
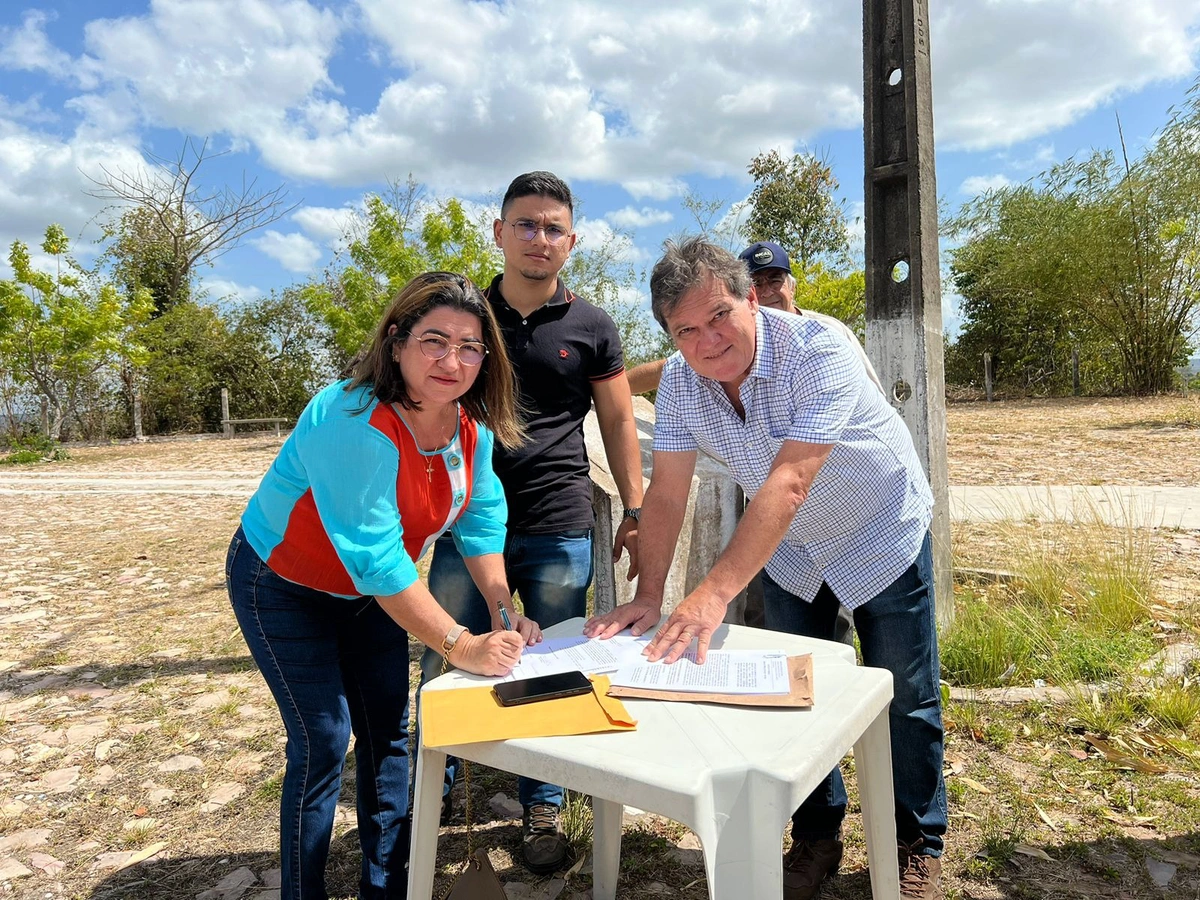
(807, 864)
(447, 808)
(920, 875)
(543, 845)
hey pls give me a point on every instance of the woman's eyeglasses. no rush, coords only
(470, 353)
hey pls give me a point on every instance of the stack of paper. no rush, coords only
(723, 672)
(570, 654)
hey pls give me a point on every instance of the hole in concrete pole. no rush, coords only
(900, 271)
(894, 76)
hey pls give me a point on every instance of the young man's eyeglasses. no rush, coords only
(527, 231)
(470, 353)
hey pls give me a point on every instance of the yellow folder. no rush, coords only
(467, 715)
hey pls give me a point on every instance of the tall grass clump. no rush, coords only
(1120, 580)
(577, 822)
(1102, 712)
(990, 643)
(1078, 609)
(1176, 706)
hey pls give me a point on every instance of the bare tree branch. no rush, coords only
(199, 225)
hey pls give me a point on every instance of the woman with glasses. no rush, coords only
(322, 572)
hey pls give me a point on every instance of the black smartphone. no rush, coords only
(543, 687)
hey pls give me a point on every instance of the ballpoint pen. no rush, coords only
(505, 619)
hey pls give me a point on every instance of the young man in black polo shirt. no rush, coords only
(567, 355)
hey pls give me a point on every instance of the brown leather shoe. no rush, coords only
(920, 875)
(807, 864)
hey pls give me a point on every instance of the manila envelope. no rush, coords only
(467, 715)
(800, 695)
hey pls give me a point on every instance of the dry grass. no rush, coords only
(118, 652)
(1153, 441)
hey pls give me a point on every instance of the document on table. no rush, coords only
(568, 654)
(723, 672)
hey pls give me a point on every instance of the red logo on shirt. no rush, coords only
(562, 353)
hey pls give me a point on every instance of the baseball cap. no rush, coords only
(765, 255)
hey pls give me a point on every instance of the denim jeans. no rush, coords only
(334, 666)
(550, 572)
(897, 630)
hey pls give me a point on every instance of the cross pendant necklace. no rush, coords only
(429, 469)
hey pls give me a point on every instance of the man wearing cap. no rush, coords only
(775, 287)
(839, 517)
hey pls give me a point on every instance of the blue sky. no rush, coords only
(633, 103)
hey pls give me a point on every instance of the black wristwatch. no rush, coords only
(635, 513)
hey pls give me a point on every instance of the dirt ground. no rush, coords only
(141, 755)
(1152, 441)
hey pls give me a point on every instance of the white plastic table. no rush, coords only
(733, 775)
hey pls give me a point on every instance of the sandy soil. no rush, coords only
(140, 753)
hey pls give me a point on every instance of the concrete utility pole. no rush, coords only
(904, 300)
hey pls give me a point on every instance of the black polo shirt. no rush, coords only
(558, 352)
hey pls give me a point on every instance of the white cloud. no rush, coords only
(29, 111)
(981, 184)
(629, 217)
(596, 233)
(236, 66)
(608, 91)
(326, 224)
(655, 188)
(27, 48)
(1006, 72)
(223, 290)
(293, 251)
(44, 179)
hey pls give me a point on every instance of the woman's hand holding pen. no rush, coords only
(494, 653)
(506, 618)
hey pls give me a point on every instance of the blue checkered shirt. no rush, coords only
(869, 507)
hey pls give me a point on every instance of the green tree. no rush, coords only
(1100, 253)
(602, 273)
(278, 360)
(189, 346)
(837, 294)
(141, 254)
(396, 238)
(268, 354)
(166, 222)
(793, 204)
(61, 331)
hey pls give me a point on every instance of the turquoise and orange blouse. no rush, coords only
(352, 502)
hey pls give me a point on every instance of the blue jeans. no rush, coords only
(551, 572)
(897, 631)
(334, 666)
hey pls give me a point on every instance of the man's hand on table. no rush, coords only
(639, 616)
(697, 617)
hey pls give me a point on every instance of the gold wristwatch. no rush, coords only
(451, 638)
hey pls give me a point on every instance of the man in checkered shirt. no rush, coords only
(839, 514)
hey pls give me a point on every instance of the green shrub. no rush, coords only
(31, 448)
